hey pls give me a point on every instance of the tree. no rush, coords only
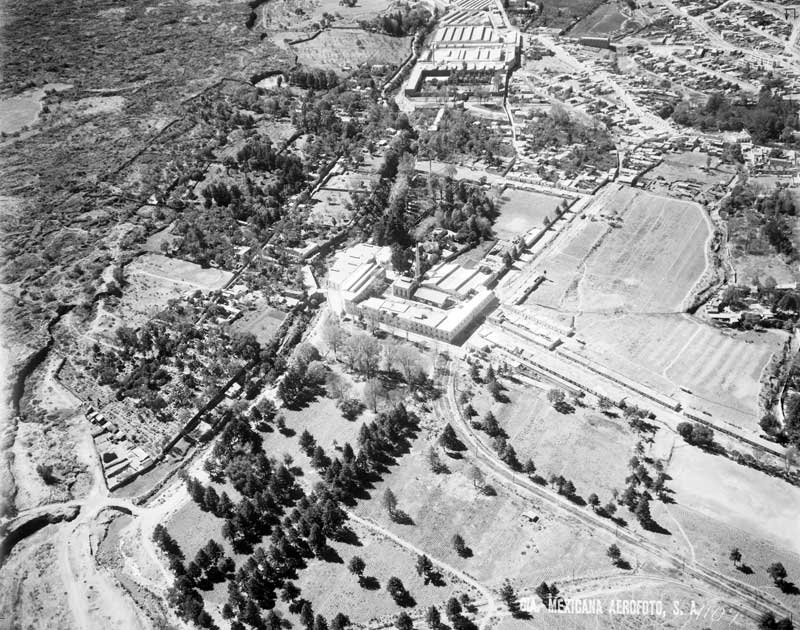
(643, 511)
(767, 621)
(529, 467)
(448, 439)
(508, 595)
(424, 566)
(459, 545)
(306, 615)
(320, 623)
(556, 396)
(307, 442)
(403, 622)
(340, 621)
(389, 502)
(594, 501)
(433, 618)
(614, 553)
(356, 566)
(736, 556)
(475, 475)
(227, 611)
(769, 423)
(435, 462)
(333, 334)
(452, 608)
(778, 573)
(395, 588)
(374, 391)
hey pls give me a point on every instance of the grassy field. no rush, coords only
(721, 368)
(521, 211)
(339, 48)
(586, 447)
(604, 20)
(262, 322)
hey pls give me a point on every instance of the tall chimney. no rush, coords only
(418, 265)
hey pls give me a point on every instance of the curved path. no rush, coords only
(751, 600)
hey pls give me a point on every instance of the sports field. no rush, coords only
(339, 48)
(644, 255)
(521, 211)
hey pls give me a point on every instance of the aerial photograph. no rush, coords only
(400, 314)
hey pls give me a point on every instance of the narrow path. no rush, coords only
(492, 607)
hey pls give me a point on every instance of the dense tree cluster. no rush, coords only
(404, 19)
(458, 134)
(773, 213)
(696, 434)
(771, 118)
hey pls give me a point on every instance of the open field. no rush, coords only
(521, 211)
(587, 447)
(722, 369)
(179, 271)
(340, 48)
(262, 322)
(648, 263)
(500, 530)
(603, 21)
(332, 588)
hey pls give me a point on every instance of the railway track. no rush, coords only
(748, 600)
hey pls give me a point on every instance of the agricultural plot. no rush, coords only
(339, 48)
(649, 264)
(521, 211)
(647, 258)
(721, 369)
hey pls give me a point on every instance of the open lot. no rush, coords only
(722, 369)
(500, 530)
(646, 258)
(339, 48)
(602, 22)
(521, 211)
(262, 322)
(577, 445)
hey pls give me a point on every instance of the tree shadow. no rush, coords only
(789, 588)
(347, 536)
(577, 499)
(745, 568)
(330, 554)
(652, 526)
(623, 564)
(402, 518)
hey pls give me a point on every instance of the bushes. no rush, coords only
(696, 434)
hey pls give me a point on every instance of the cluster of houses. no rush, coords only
(120, 458)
